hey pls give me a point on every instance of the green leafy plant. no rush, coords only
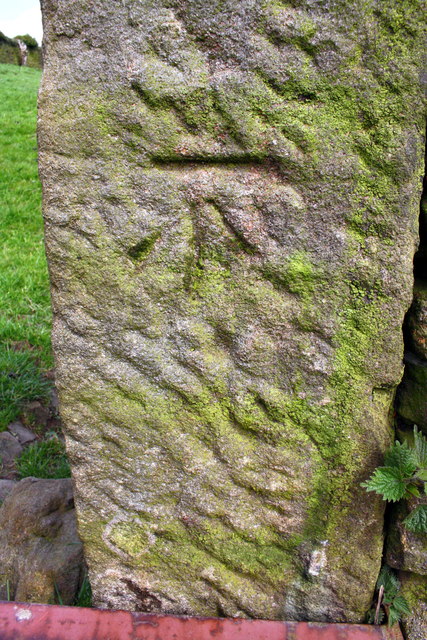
(44, 459)
(403, 476)
(8, 590)
(58, 594)
(84, 596)
(389, 603)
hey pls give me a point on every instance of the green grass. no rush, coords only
(25, 316)
(20, 381)
(44, 459)
(84, 596)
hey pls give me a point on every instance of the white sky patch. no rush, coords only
(18, 17)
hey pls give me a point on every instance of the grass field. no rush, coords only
(25, 317)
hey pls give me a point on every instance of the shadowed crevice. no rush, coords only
(411, 356)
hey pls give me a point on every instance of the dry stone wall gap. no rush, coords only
(407, 551)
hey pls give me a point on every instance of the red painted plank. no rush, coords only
(44, 622)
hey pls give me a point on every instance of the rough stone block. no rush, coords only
(10, 450)
(406, 550)
(41, 554)
(231, 196)
(21, 433)
(411, 401)
(414, 589)
(6, 487)
(417, 320)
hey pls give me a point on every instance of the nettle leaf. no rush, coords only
(417, 519)
(390, 582)
(381, 617)
(397, 609)
(422, 474)
(413, 490)
(394, 604)
(420, 449)
(401, 604)
(387, 482)
(393, 616)
(370, 616)
(400, 457)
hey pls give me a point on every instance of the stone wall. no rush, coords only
(231, 194)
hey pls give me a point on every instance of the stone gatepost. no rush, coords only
(231, 195)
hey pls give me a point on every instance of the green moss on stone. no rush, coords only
(140, 250)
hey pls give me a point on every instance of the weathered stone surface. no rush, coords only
(40, 551)
(411, 401)
(406, 550)
(6, 487)
(231, 194)
(417, 320)
(10, 450)
(21, 433)
(36, 412)
(414, 588)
